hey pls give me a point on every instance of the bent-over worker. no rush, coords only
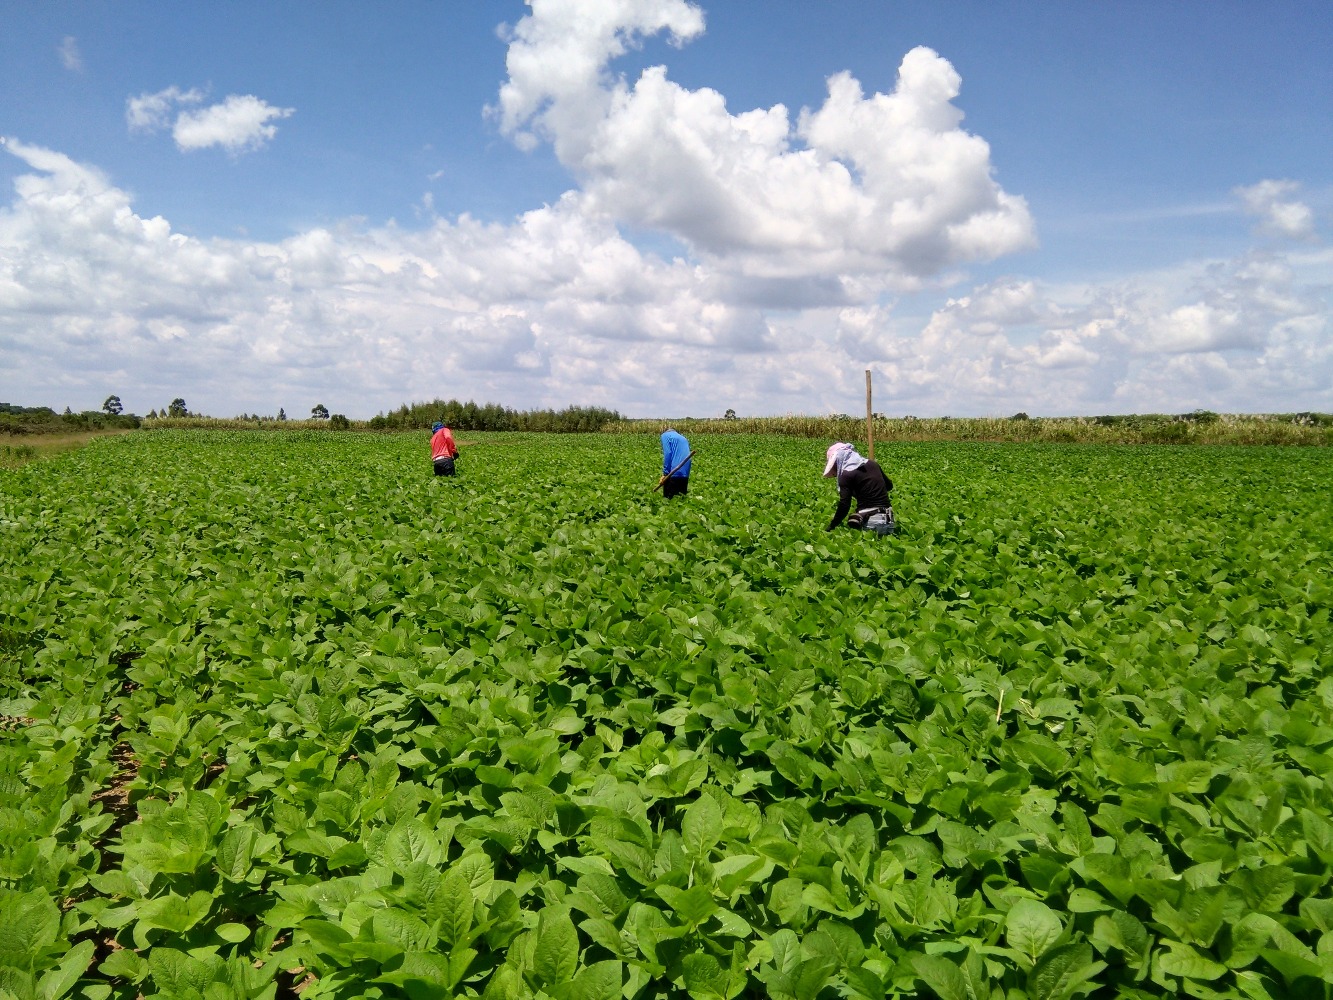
(443, 451)
(675, 463)
(861, 480)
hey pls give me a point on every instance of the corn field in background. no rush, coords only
(1198, 427)
(1201, 427)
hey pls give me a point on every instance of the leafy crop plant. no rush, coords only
(303, 719)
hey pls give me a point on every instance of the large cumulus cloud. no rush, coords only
(888, 185)
(553, 308)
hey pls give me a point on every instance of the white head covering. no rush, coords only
(841, 457)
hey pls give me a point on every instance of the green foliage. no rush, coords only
(535, 732)
(493, 417)
(16, 420)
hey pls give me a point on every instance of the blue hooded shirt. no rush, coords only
(674, 450)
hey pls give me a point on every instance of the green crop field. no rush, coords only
(281, 713)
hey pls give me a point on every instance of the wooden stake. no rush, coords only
(870, 428)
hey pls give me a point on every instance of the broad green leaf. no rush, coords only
(428, 971)
(1031, 927)
(1036, 750)
(1319, 912)
(1188, 963)
(1248, 937)
(586, 866)
(504, 984)
(497, 777)
(811, 977)
(556, 952)
(607, 891)
(701, 829)
(603, 932)
(29, 924)
(476, 867)
(412, 840)
(1063, 972)
(405, 930)
(838, 941)
(785, 947)
(1123, 769)
(455, 907)
(328, 938)
(235, 853)
(1266, 889)
(59, 981)
(599, 981)
(124, 963)
(349, 855)
(232, 933)
(693, 905)
(1295, 968)
(172, 913)
(947, 979)
(1202, 913)
(1125, 932)
(16, 984)
(737, 870)
(707, 979)
(176, 972)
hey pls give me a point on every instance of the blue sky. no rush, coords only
(668, 208)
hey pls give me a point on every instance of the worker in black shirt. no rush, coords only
(860, 479)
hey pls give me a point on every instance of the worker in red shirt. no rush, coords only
(443, 451)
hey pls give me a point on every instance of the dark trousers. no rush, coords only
(676, 486)
(444, 466)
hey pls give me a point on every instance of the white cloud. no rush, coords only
(464, 308)
(557, 59)
(557, 307)
(70, 56)
(239, 123)
(1245, 335)
(1008, 303)
(151, 112)
(887, 185)
(1280, 214)
(1196, 327)
(1067, 349)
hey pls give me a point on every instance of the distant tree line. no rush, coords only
(44, 420)
(493, 417)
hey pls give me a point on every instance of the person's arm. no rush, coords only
(844, 502)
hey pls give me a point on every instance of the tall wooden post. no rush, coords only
(870, 427)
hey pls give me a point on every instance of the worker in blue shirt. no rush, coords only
(675, 463)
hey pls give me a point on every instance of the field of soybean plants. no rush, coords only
(282, 714)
